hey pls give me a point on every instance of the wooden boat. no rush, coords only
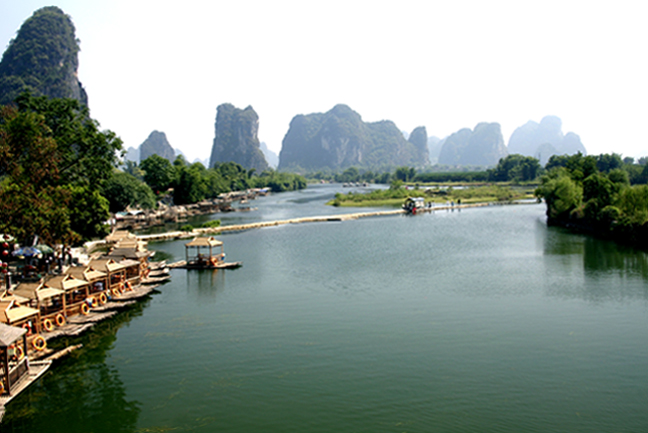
(195, 259)
(17, 371)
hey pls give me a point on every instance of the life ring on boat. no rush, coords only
(27, 328)
(60, 320)
(85, 309)
(39, 343)
(129, 286)
(19, 353)
(115, 292)
(121, 288)
(102, 298)
(48, 325)
(1, 387)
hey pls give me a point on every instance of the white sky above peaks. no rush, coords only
(166, 66)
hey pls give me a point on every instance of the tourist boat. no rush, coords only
(413, 205)
(48, 301)
(17, 371)
(200, 254)
(97, 282)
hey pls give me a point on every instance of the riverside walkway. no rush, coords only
(315, 219)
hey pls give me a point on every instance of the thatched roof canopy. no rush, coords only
(86, 273)
(11, 312)
(65, 282)
(204, 242)
(106, 265)
(36, 291)
(119, 235)
(128, 253)
(10, 334)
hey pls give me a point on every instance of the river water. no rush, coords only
(467, 321)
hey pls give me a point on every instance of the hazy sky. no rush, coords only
(446, 65)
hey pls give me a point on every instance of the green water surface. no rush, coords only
(471, 321)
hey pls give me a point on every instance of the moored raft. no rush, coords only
(196, 259)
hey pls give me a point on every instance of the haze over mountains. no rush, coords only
(339, 138)
(43, 58)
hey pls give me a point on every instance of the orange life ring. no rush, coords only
(20, 353)
(115, 292)
(129, 286)
(48, 325)
(39, 343)
(1, 387)
(121, 287)
(60, 319)
(85, 310)
(27, 327)
(102, 298)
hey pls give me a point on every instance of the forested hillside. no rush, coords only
(43, 59)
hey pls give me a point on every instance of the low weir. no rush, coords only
(315, 219)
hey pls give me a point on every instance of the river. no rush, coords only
(467, 321)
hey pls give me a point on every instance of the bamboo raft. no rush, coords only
(36, 370)
(182, 264)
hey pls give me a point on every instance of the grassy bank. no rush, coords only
(395, 197)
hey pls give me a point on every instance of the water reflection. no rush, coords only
(610, 271)
(205, 282)
(81, 393)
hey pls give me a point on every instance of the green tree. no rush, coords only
(87, 155)
(190, 186)
(133, 169)
(561, 193)
(606, 162)
(123, 190)
(32, 201)
(158, 173)
(89, 212)
(405, 174)
(515, 168)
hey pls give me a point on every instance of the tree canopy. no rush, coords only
(52, 154)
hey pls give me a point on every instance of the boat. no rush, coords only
(17, 371)
(413, 205)
(198, 258)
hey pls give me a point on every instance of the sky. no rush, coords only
(445, 65)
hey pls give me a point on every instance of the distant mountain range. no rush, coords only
(340, 138)
(483, 146)
(43, 58)
(541, 140)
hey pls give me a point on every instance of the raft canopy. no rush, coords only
(12, 312)
(119, 235)
(65, 282)
(107, 265)
(86, 273)
(36, 291)
(128, 253)
(204, 242)
(10, 334)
